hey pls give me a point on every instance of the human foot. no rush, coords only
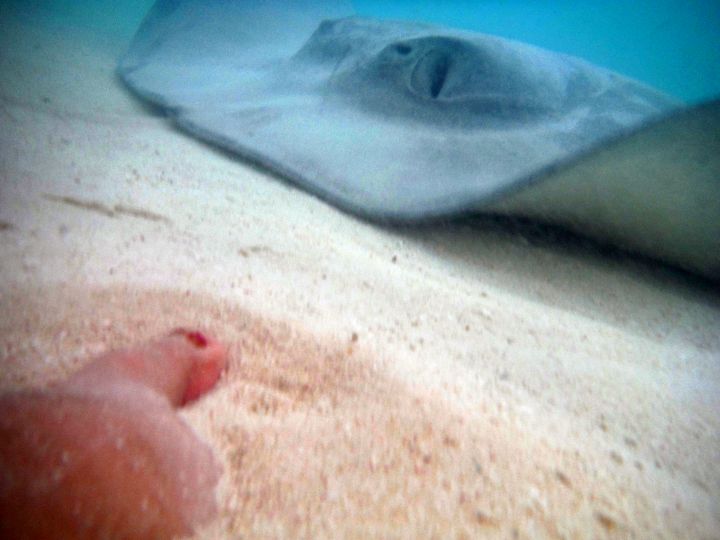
(103, 453)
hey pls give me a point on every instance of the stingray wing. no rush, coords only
(401, 121)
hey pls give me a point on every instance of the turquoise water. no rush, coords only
(673, 45)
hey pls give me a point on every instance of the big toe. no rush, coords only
(209, 360)
(181, 366)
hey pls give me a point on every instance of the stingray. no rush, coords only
(404, 122)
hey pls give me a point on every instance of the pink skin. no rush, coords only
(103, 454)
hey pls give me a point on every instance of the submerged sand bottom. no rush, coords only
(318, 440)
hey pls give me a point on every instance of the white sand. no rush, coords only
(452, 382)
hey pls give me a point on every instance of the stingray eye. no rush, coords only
(403, 49)
(430, 74)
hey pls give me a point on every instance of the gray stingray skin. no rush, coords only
(407, 122)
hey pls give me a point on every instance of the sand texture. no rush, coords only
(460, 381)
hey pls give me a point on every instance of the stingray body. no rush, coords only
(408, 122)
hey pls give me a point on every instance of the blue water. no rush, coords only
(671, 45)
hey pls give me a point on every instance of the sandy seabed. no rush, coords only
(460, 381)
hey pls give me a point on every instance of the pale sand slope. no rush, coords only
(452, 382)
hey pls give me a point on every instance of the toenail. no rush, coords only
(194, 337)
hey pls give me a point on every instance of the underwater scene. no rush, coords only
(359, 269)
